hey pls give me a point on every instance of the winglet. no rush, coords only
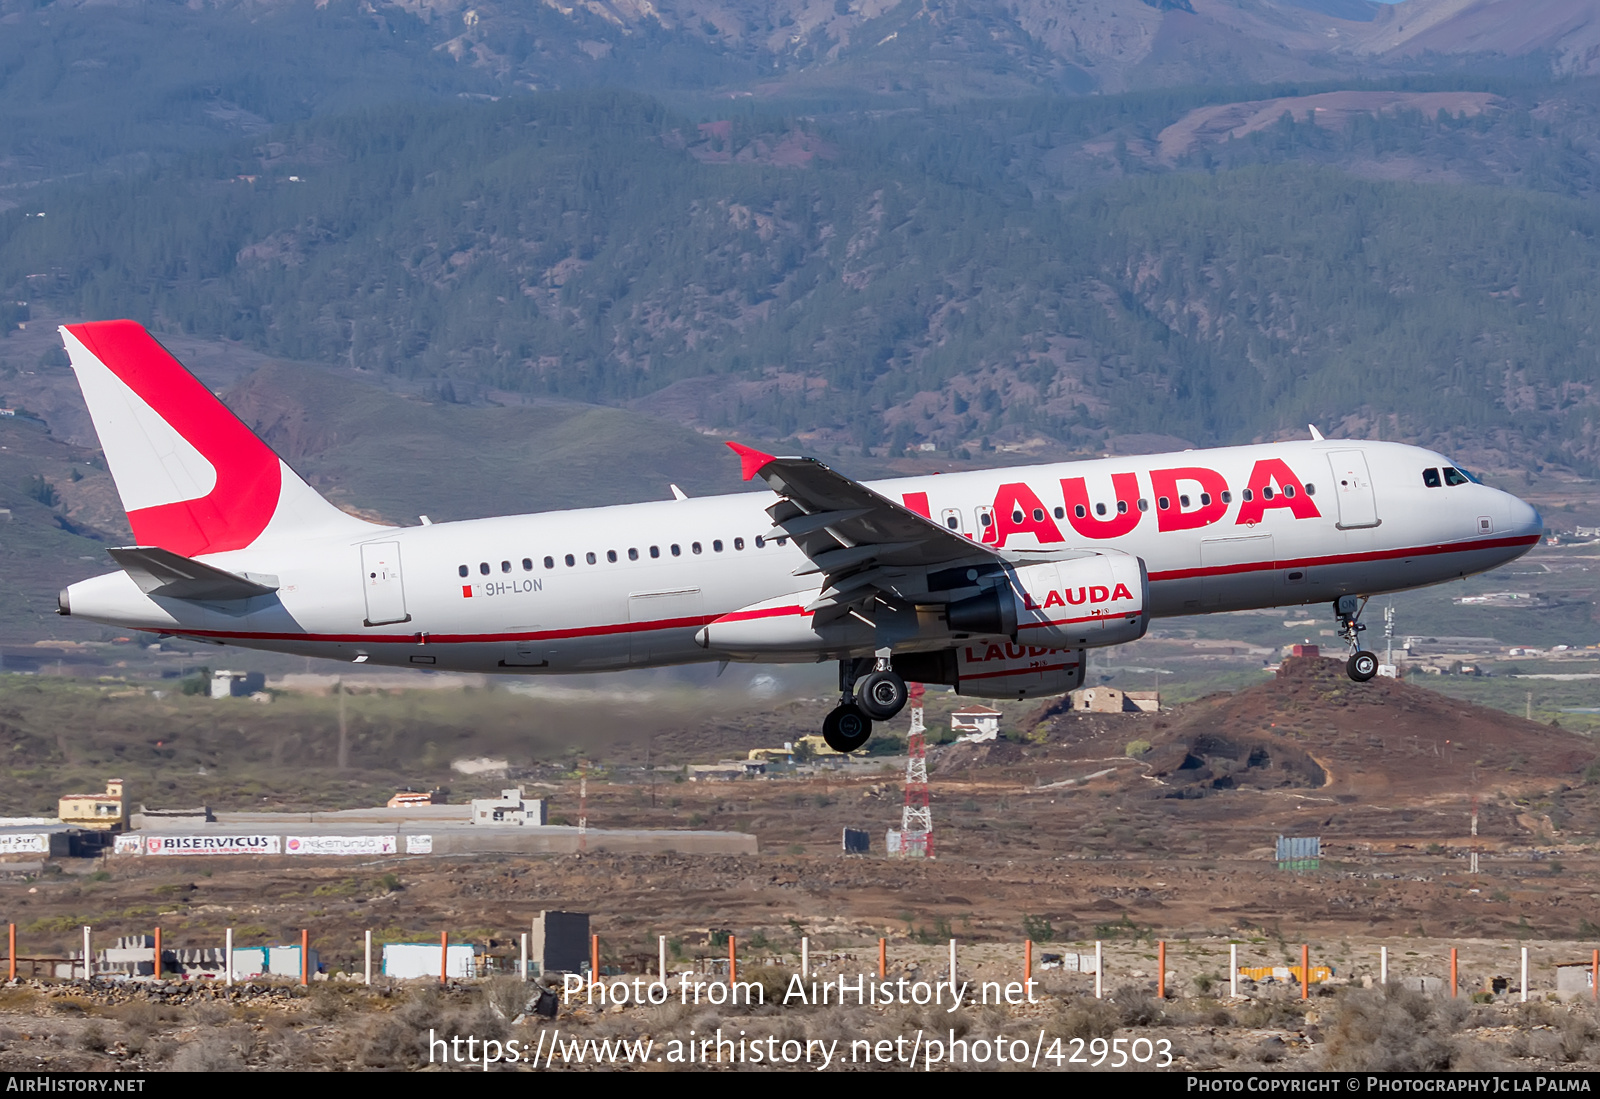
(751, 461)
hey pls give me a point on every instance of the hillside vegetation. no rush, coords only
(1016, 272)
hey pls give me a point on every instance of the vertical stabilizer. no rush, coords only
(192, 477)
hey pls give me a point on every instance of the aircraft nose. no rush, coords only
(1522, 517)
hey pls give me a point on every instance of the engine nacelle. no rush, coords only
(1084, 603)
(997, 667)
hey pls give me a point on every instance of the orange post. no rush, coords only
(305, 956)
(1305, 971)
(1452, 972)
(733, 961)
(157, 971)
(444, 956)
(594, 959)
(12, 938)
(1161, 970)
(883, 958)
(1027, 962)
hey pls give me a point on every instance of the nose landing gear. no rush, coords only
(878, 695)
(1362, 665)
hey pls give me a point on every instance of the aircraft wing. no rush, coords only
(862, 543)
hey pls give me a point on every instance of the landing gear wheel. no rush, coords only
(882, 695)
(846, 728)
(1362, 666)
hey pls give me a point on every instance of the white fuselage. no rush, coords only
(645, 578)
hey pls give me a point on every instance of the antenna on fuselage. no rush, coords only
(1316, 436)
(678, 493)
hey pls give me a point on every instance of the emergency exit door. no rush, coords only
(1353, 487)
(380, 575)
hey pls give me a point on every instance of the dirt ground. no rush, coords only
(1073, 833)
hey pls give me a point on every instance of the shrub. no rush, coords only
(1136, 748)
(1392, 1029)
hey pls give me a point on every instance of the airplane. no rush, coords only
(994, 582)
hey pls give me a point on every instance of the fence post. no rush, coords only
(952, 967)
(305, 956)
(1161, 969)
(1099, 971)
(1452, 972)
(805, 957)
(1594, 976)
(524, 955)
(11, 936)
(367, 968)
(1305, 971)
(1524, 974)
(1383, 964)
(733, 961)
(444, 956)
(1027, 965)
(157, 972)
(594, 959)
(227, 961)
(1233, 970)
(88, 958)
(883, 958)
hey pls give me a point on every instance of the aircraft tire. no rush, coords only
(1362, 666)
(881, 695)
(846, 728)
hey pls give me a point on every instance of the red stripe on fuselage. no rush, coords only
(696, 622)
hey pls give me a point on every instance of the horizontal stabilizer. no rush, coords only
(173, 576)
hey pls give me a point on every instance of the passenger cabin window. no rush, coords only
(738, 543)
(1453, 476)
(1016, 516)
(1077, 509)
(1288, 491)
(1183, 501)
(716, 545)
(1266, 492)
(1061, 513)
(952, 522)
(549, 562)
(505, 566)
(655, 551)
(1205, 499)
(760, 541)
(589, 557)
(1248, 496)
(694, 547)
(463, 570)
(571, 560)
(1430, 477)
(527, 564)
(1038, 515)
(676, 551)
(611, 556)
(633, 554)
(1099, 509)
(483, 567)
(1311, 489)
(1144, 505)
(1227, 497)
(1163, 503)
(1122, 507)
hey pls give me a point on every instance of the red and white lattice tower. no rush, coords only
(916, 819)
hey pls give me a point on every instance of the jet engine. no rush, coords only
(1087, 602)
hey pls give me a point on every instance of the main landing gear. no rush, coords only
(1362, 665)
(869, 690)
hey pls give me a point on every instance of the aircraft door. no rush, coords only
(380, 576)
(1353, 486)
(951, 518)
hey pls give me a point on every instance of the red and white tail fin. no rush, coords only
(193, 478)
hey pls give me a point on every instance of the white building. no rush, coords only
(510, 808)
(976, 723)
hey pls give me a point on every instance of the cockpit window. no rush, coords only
(1430, 477)
(1453, 476)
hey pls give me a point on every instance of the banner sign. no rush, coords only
(339, 845)
(211, 845)
(419, 845)
(24, 845)
(128, 845)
